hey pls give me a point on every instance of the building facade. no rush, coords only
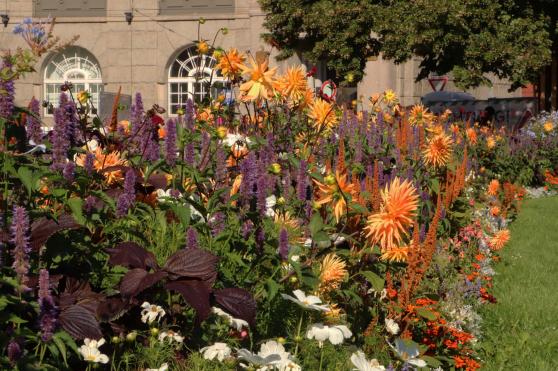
(152, 53)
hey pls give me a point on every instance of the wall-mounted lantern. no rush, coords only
(5, 19)
(129, 17)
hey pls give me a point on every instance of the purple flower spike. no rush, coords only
(7, 91)
(49, 311)
(20, 239)
(126, 199)
(170, 143)
(192, 239)
(68, 171)
(34, 131)
(89, 163)
(284, 244)
(302, 181)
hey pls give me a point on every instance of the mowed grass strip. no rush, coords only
(521, 330)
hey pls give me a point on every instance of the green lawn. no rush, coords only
(521, 330)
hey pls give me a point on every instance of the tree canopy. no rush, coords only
(511, 39)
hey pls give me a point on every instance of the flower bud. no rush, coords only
(330, 179)
(293, 279)
(154, 331)
(131, 337)
(222, 132)
(281, 340)
(201, 20)
(115, 339)
(275, 168)
(281, 200)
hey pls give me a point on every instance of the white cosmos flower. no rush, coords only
(391, 326)
(286, 362)
(164, 367)
(408, 352)
(270, 203)
(235, 323)
(232, 138)
(171, 335)
(335, 334)
(362, 364)
(92, 145)
(36, 148)
(163, 195)
(307, 302)
(90, 351)
(150, 312)
(256, 359)
(217, 350)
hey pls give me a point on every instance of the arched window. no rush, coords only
(77, 66)
(192, 75)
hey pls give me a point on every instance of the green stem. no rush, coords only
(42, 356)
(297, 339)
(321, 357)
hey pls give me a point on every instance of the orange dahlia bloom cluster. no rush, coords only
(323, 115)
(229, 63)
(260, 82)
(293, 86)
(419, 115)
(102, 162)
(332, 272)
(399, 206)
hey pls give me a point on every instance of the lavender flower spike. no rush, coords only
(126, 199)
(20, 239)
(7, 91)
(170, 143)
(284, 244)
(34, 131)
(49, 312)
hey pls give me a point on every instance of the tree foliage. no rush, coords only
(468, 38)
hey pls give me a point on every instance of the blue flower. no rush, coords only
(27, 20)
(18, 29)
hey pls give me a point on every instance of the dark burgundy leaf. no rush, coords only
(4, 236)
(138, 280)
(237, 302)
(194, 263)
(42, 229)
(158, 181)
(80, 323)
(132, 255)
(79, 292)
(111, 309)
(196, 293)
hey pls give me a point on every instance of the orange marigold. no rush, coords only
(399, 205)
(500, 238)
(438, 150)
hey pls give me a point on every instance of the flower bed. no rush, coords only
(273, 231)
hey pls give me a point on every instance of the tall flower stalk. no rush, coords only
(20, 240)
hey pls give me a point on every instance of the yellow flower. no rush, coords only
(222, 132)
(390, 97)
(229, 63)
(323, 114)
(293, 85)
(332, 272)
(548, 126)
(203, 47)
(335, 191)
(260, 83)
(83, 97)
(490, 142)
(399, 205)
(438, 151)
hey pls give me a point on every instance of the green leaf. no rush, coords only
(16, 319)
(27, 179)
(76, 205)
(61, 346)
(321, 239)
(272, 288)
(316, 224)
(375, 280)
(433, 362)
(425, 313)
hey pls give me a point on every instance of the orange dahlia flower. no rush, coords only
(334, 191)
(438, 150)
(293, 85)
(419, 115)
(396, 254)
(229, 63)
(260, 83)
(332, 272)
(105, 161)
(500, 239)
(322, 114)
(493, 187)
(399, 205)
